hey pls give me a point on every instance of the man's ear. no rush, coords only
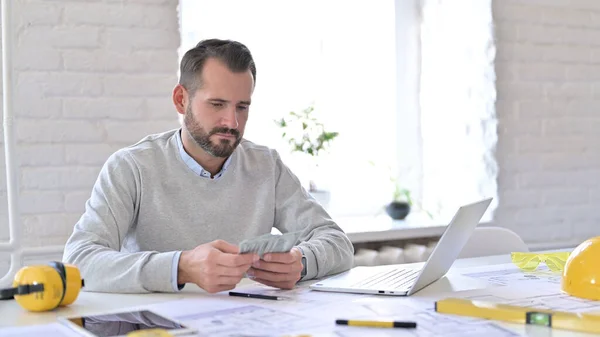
(180, 98)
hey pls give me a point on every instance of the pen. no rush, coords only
(376, 324)
(264, 297)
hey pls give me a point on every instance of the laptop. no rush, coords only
(404, 281)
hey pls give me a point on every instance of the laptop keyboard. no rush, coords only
(391, 279)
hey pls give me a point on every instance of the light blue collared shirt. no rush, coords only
(200, 171)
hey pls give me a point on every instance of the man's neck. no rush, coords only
(208, 162)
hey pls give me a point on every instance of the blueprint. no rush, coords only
(542, 298)
(304, 311)
(258, 320)
(255, 320)
(431, 323)
(509, 274)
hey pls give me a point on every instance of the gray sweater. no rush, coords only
(148, 204)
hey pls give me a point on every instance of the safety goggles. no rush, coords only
(530, 261)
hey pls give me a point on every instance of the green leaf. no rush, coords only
(314, 137)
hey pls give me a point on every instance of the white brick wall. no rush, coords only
(91, 76)
(548, 74)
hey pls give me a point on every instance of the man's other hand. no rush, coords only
(279, 270)
(215, 266)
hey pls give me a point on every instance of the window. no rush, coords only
(360, 63)
(457, 105)
(338, 55)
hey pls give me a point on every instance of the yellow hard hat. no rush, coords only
(581, 276)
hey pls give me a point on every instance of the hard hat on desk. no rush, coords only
(581, 276)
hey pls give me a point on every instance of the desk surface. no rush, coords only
(92, 303)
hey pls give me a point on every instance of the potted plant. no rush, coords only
(307, 135)
(401, 204)
(402, 201)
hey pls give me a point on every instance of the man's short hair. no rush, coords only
(235, 55)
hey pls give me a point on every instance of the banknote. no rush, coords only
(270, 243)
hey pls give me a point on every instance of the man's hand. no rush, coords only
(214, 266)
(279, 270)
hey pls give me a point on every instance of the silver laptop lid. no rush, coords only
(451, 243)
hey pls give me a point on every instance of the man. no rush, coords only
(171, 208)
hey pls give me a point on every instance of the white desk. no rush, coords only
(11, 314)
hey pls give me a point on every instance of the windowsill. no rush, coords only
(362, 229)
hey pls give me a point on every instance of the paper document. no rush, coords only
(509, 274)
(304, 311)
(431, 323)
(45, 330)
(254, 320)
(302, 297)
(543, 298)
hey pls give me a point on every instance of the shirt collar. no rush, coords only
(193, 164)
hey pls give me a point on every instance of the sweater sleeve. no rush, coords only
(95, 244)
(325, 245)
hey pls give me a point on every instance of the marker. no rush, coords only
(377, 324)
(262, 297)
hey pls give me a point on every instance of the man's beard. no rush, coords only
(223, 149)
